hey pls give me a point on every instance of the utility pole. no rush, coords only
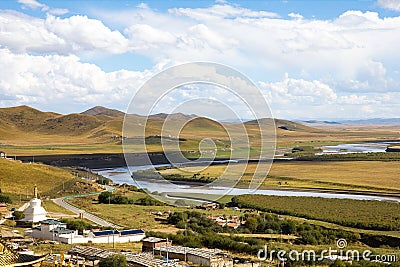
(167, 254)
(114, 239)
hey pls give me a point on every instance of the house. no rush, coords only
(3, 207)
(198, 256)
(57, 231)
(210, 206)
(116, 236)
(150, 243)
(9, 257)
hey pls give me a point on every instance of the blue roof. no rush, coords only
(107, 232)
(132, 232)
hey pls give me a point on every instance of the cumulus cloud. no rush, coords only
(259, 42)
(390, 4)
(298, 98)
(52, 81)
(33, 4)
(224, 11)
(295, 16)
(22, 33)
(348, 60)
(299, 91)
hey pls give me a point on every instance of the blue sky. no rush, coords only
(310, 59)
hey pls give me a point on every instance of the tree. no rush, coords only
(18, 215)
(105, 197)
(251, 224)
(114, 261)
(5, 199)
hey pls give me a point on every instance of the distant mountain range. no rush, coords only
(374, 121)
(26, 125)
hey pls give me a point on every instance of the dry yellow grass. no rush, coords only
(367, 175)
(19, 178)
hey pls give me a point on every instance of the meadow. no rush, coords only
(19, 178)
(347, 175)
(377, 215)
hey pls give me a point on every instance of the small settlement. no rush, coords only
(41, 229)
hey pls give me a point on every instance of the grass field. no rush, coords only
(352, 175)
(19, 178)
(136, 216)
(362, 214)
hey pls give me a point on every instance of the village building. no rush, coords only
(10, 257)
(150, 243)
(134, 259)
(3, 208)
(210, 206)
(55, 230)
(198, 256)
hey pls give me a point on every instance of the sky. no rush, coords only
(310, 59)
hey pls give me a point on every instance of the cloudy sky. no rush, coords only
(310, 59)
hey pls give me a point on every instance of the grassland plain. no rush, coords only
(362, 214)
(24, 130)
(352, 175)
(135, 216)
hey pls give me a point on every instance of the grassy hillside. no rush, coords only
(102, 111)
(19, 178)
(24, 125)
(27, 131)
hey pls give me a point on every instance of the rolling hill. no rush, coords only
(24, 125)
(99, 111)
(19, 178)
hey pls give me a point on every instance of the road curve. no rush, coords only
(93, 218)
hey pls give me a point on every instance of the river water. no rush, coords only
(357, 148)
(121, 175)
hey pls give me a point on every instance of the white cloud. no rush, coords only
(58, 11)
(21, 33)
(33, 4)
(82, 33)
(219, 11)
(52, 81)
(262, 43)
(299, 91)
(351, 60)
(390, 4)
(295, 16)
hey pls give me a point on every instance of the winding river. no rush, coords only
(122, 176)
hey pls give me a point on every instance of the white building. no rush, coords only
(35, 213)
(53, 230)
(57, 231)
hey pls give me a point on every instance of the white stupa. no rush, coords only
(35, 212)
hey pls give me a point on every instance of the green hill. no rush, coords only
(19, 178)
(102, 111)
(51, 133)
(284, 125)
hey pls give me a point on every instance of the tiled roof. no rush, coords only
(9, 257)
